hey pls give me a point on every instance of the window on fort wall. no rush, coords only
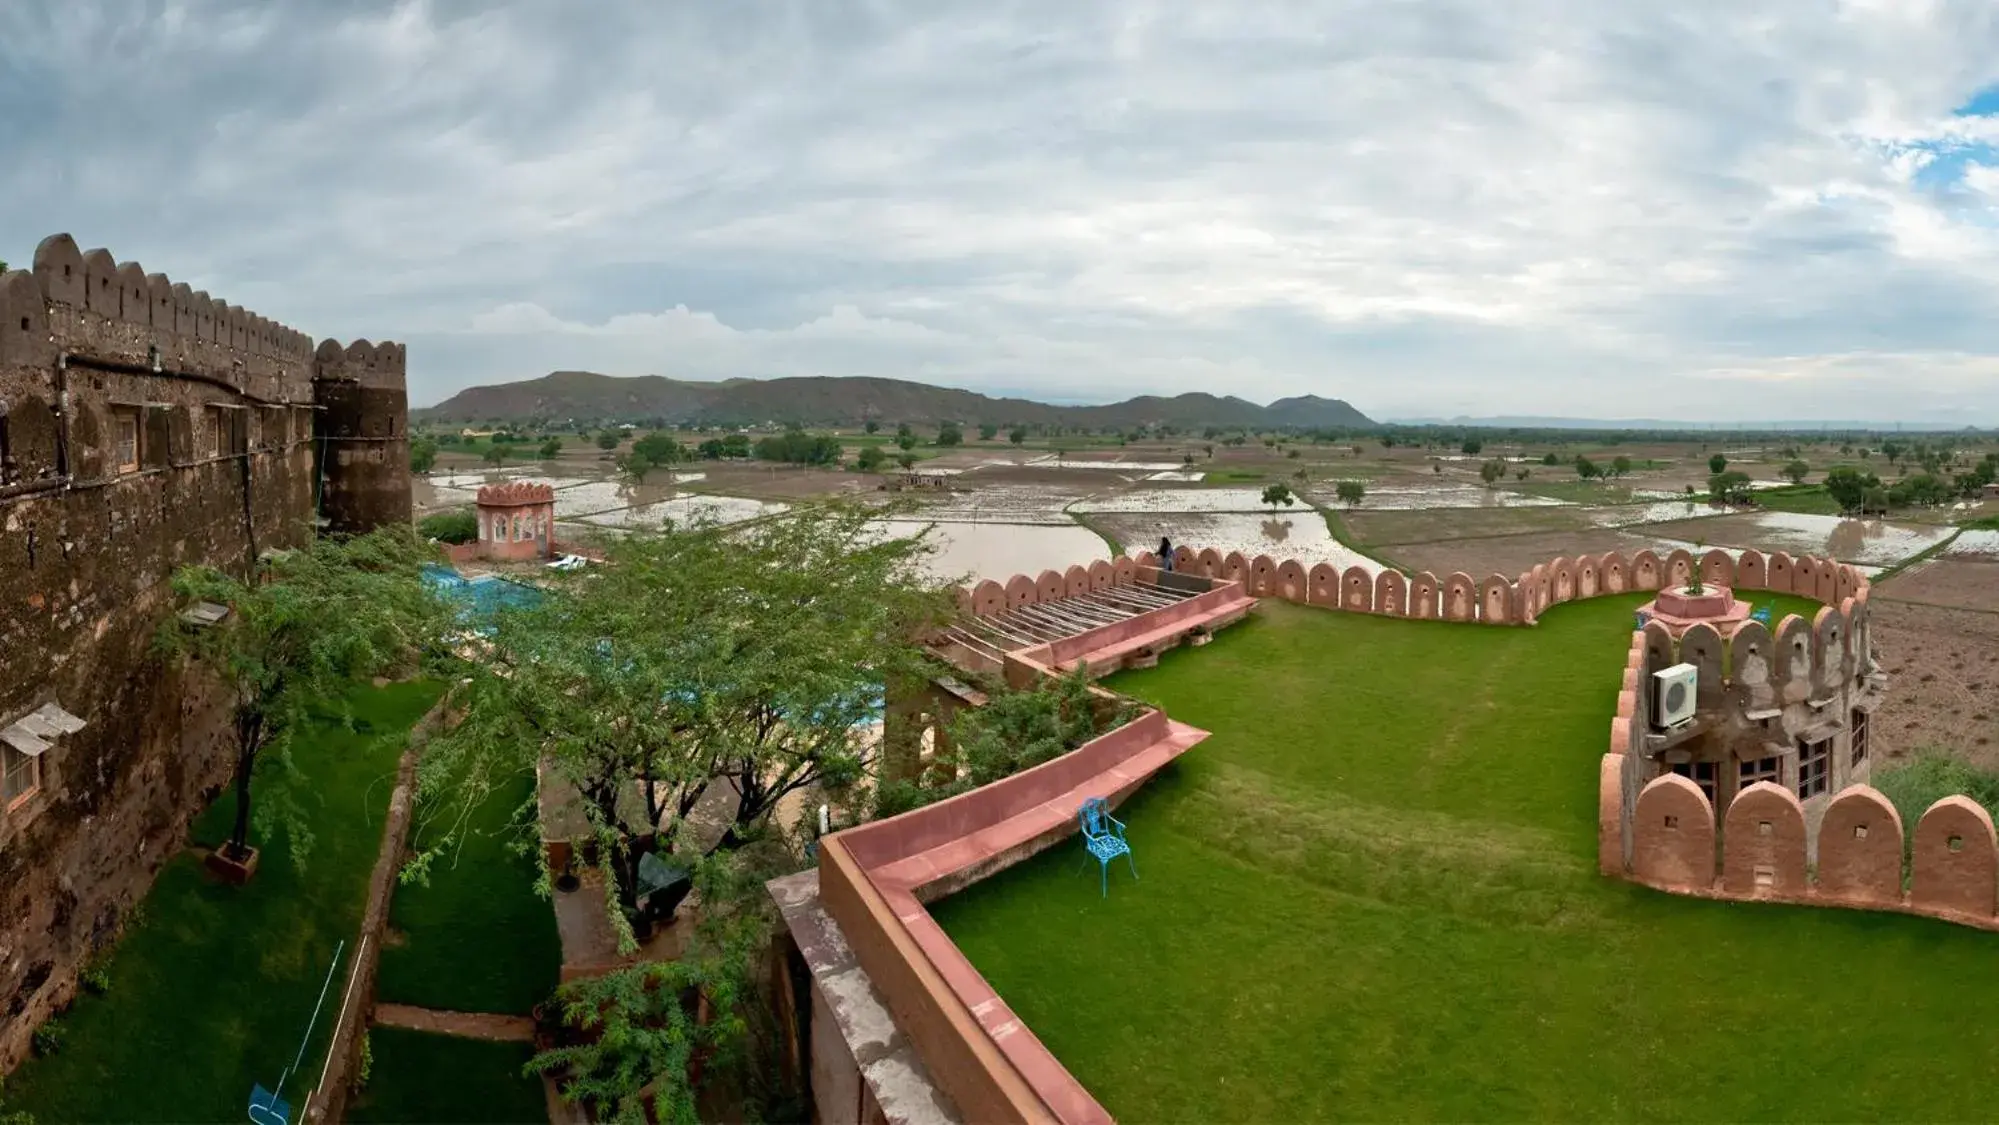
(125, 439)
(1814, 767)
(1759, 769)
(218, 426)
(1707, 775)
(20, 776)
(1860, 719)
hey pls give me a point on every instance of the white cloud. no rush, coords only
(1440, 207)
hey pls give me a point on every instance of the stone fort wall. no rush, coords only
(143, 426)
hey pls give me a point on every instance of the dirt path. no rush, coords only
(467, 1025)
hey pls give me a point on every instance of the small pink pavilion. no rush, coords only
(516, 521)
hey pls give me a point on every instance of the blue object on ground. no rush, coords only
(267, 1108)
(1103, 835)
(480, 596)
(1760, 613)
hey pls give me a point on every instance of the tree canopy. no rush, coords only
(745, 656)
(300, 631)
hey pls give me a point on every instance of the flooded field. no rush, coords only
(685, 509)
(1184, 500)
(1872, 542)
(1290, 535)
(1187, 477)
(1659, 511)
(1050, 461)
(1005, 503)
(1975, 545)
(1409, 498)
(999, 551)
(427, 497)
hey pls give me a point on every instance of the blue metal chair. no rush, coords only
(1103, 835)
(1760, 613)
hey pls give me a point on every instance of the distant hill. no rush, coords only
(585, 396)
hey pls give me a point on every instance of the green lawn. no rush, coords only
(477, 938)
(212, 991)
(1372, 895)
(420, 1077)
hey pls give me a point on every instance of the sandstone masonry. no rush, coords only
(143, 426)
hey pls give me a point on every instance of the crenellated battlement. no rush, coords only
(95, 310)
(144, 426)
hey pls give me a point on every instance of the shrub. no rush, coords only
(365, 1068)
(95, 980)
(1931, 776)
(49, 1037)
(459, 526)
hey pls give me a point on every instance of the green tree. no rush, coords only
(1620, 466)
(1350, 492)
(1848, 487)
(1797, 471)
(1893, 450)
(1717, 464)
(1550, 458)
(1471, 447)
(906, 459)
(1731, 487)
(460, 525)
(736, 445)
(711, 449)
(988, 431)
(551, 448)
(607, 439)
(871, 458)
(660, 448)
(1491, 471)
(498, 454)
(905, 440)
(301, 631)
(742, 655)
(423, 454)
(633, 466)
(1017, 435)
(1586, 468)
(949, 434)
(797, 447)
(1276, 494)
(871, 425)
(1522, 473)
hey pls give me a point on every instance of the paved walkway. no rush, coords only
(468, 1025)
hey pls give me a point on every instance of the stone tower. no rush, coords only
(364, 448)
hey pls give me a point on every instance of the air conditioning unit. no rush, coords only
(1673, 695)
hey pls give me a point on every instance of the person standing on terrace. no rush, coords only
(1165, 554)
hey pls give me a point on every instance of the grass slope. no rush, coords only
(1372, 895)
(213, 990)
(477, 938)
(418, 1077)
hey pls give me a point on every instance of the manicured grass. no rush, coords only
(477, 938)
(1372, 895)
(213, 990)
(418, 1077)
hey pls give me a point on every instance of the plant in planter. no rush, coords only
(1694, 584)
(300, 630)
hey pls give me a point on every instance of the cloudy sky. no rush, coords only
(1431, 208)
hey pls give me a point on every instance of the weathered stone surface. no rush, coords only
(226, 469)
